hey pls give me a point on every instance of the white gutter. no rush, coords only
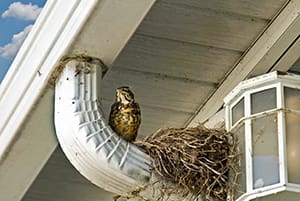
(89, 143)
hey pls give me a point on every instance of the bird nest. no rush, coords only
(199, 161)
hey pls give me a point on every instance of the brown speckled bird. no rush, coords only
(125, 114)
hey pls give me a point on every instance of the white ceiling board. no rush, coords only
(264, 9)
(177, 59)
(155, 118)
(111, 26)
(156, 90)
(59, 181)
(201, 26)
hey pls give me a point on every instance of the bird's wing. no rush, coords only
(113, 110)
(138, 112)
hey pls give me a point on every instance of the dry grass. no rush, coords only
(197, 161)
(79, 58)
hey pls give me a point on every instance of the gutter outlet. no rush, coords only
(93, 148)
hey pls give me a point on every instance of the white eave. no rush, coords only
(26, 125)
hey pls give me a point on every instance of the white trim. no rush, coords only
(293, 187)
(269, 191)
(259, 82)
(261, 193)
(248, 143)
(281, 135)
(244, 90)
(228, 115)
(240, 93)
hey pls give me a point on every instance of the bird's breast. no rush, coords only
(125, 120)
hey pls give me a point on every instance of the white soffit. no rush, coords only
(276, 40)
(25, 94)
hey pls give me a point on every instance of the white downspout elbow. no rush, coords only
(85, 137)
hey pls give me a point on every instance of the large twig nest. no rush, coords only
(196, 160)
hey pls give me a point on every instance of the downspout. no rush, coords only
(87, 140)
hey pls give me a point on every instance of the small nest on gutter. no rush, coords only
(76, 57)
(196, 161)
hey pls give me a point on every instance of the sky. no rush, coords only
(16, 21)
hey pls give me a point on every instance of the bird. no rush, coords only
(125, 114)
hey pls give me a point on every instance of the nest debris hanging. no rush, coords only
(196, 160)
(76, 57)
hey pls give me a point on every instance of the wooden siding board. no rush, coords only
(157, 90)
(263, 9)
(153, 119)
(59, 181)
(202, 26)
(178, 59)
(112, 24)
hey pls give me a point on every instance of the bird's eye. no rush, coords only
(128, 97)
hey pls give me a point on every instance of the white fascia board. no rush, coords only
(260, 57)
(29, 151)
(25, 88)
(55, 28)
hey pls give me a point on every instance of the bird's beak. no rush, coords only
(118, 92)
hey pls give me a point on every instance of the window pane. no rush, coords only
(293, 147)
(238, 111)
(265, 151)
(292, 101)
(241, 180)
(292, 98)
(263, 100)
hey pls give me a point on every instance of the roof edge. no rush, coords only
(23, 90)
(28, 75)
